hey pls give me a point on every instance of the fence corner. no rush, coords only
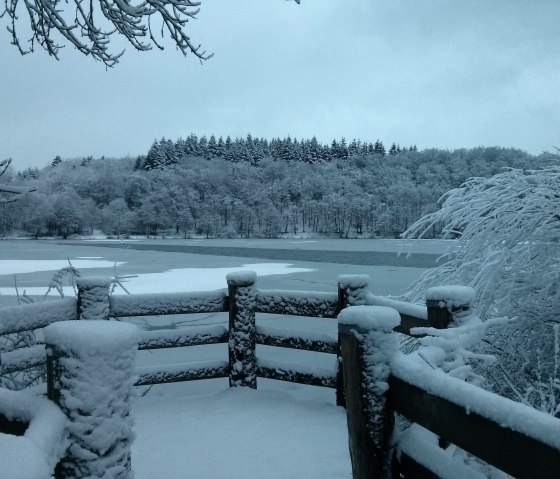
(367, 344)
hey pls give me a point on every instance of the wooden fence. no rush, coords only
(515, 452)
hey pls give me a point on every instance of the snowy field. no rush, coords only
(204, 429)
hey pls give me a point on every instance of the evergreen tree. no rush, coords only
(203, 146)
(212, 148)
(354, 148)
(342, 149)
(221, 147)
(379, 148)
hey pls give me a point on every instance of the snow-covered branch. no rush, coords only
(508, 250)
(89, 26)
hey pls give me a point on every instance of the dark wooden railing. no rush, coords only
(515, 452)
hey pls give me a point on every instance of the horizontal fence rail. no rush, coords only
(297, 303)
(22, 359)
(296, 373)
(168, 303)
(17, 319)
(181, 338)
(182, 372)
(412, 315)
(492, 437)
(292, 339)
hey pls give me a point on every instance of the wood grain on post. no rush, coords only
(352, 291)
(242, 330)
(93, 298)
(367, 344)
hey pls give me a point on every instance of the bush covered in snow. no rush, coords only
(508, 250)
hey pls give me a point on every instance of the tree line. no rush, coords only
(253, 188)
(164, 152)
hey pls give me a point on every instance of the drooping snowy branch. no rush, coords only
(509, 241)
(508, 250)
(89, 26)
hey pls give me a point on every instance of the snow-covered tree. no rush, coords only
(90, 26)
(508, 250)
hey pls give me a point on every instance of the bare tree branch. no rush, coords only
(89, 25)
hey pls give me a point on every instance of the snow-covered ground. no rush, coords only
(204, 429)
(276, 432)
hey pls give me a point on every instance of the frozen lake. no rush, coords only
(184, 264)
(418, 254)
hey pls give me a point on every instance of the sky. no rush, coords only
(435, 73)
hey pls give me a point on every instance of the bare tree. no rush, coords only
(88, 25)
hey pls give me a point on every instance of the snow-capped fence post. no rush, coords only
(93, 297)
(90, 377)
(242, 330)
(352, 291)
(447, 303)
(367, 345)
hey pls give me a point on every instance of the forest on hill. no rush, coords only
(249, 188)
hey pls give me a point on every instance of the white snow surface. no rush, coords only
(422, 446)
(410, 309)
(92, 337)
(176, 280)
(370, 317)
(21, 266)
(241, 278)
(200, 279)
(353, 281)
(453, 295)
(33, 455)
(239, 433)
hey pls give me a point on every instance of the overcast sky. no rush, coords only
(435, 73)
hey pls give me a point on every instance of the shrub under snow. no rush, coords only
(508, 250)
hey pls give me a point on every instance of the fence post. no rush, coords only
(352, 291)
(367, 344)
(242, 331)
(90, 377)
(446, 304)
(93, 297)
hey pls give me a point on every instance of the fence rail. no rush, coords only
(177, 373)
(297, 303)
(28, 317)
(270, 336)
(168, 303)
(496, 443)
(518, 452)
(183, 338)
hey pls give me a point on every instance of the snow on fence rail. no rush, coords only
(94, 301)
(379, 381)
(522, 442)
(16, 319)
